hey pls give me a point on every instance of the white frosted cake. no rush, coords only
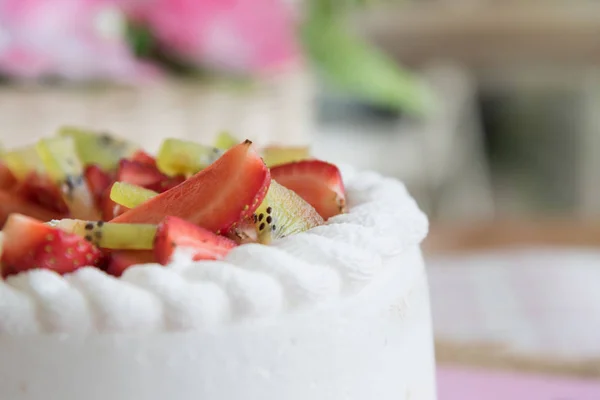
(338, 312)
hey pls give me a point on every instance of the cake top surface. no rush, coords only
(202, 282)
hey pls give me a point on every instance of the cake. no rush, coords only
(339, 310)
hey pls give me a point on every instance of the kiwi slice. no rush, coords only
(98, 148)
(109, 235)
(225, 141)
(282, 155)
(59, 157)
(181, 157)
(21, 162)
(283, 213)
(129, 195)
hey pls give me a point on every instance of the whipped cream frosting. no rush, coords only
(316, 267)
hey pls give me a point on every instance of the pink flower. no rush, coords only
(238, 35)
(74, 39)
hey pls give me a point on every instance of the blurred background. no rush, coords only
(487, 110)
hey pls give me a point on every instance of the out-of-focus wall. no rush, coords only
(277, 109)
(536, 65)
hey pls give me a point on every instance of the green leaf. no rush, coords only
(140, 39)
(360, 69)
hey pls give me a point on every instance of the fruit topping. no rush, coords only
(1, 249)
(283, 213)
(142, 157)
(40, 190)
(81, 199)
(225, 141)
(98, 181)
(146, 176)
(228, 191)
(129, 195)
(317, 182)
(62, 165)
(108, 208)
(32, 244)
(281, 155)
(11, 203)
(201, 244)
(98, 148)
(180, 157)
(22, 162)
(7, 178)
(119, 261)
(108, 235)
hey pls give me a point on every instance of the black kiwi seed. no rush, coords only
(69, 181)
(269, 219)
(98, 234)
(88, 238)
(261, 216)
(269, 209)
(255, 218)
(89, 226)
(274, 227)
(105, 139)
(100, 223)
(262, 226)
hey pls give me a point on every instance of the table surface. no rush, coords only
(525, 296)
(542, 302)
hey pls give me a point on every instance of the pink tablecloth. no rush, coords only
(465, 384)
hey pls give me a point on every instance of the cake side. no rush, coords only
(375, 344)
(321, 266)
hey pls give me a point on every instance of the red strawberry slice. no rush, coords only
(119, 261)
(11, 203)
(147, 176)
(142, 157)
(31, 244)
(98, 181)
(137, 173)
(317, 182)
(40, 190)
(166, 184)
(202, 244)
(7, 179)
(226, 192)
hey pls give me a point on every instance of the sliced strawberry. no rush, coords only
(317, 182)
(31, 244)
(142, 157)
(11, 203)
(202, 244)
(119, 261)
(166, 184)
(146, 176)
(108, 208)
(228, 191)
(7, 179)
(244, 231)
(137, 173)
(40, 190)
(98, 181)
